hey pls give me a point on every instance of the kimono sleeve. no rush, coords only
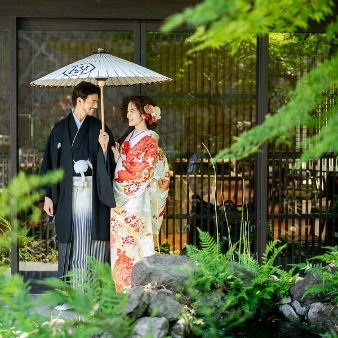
(48, 165)
(105, 174)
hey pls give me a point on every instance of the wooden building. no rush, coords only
(212, 98)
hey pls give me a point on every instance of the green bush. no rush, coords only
(19, 197)
(328, 274)
(228, 289)
(99, 307)
(30, 248)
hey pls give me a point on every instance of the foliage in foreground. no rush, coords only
(31, 249)
(328, 274)
(93, 296)
(99, 306)
(24, 191)
(220, 22)
(331, 334)
(21, 196)
(16, 306)
(239, 287)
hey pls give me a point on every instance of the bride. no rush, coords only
(141, 185)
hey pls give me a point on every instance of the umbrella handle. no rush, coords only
(101, 83)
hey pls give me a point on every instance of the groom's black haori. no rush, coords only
(80, 231)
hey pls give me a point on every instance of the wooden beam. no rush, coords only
(4, 22)
(62, 24)
(109, 9)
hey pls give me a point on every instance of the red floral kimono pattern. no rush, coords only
(139, 204)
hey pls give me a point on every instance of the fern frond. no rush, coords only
(329, 257)
(271, 253)
(248, 263)
(208, 243)
(191, 250)
(320, 288)
(308, 267)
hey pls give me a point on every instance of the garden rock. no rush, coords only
(180, 329)
(163, 304)
(288, 312)
(153, 293)
(285, 300)
(297, 291)
(159, 269)
(324, 316)
(314, 311)
(138, 302)
(154, 327)
(300, 310)
(331, 268)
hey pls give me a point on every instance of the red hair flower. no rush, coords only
(152, 113)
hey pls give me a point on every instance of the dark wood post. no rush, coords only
(13, 152)
(261, 158)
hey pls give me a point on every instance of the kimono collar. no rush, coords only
(77, 121)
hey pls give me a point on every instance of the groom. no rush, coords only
(81, 202)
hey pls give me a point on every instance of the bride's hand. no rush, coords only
(116, 151)
(164, 182)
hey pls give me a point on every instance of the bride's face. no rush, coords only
(134, 116)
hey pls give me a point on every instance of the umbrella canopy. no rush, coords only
(100, 66)
(103, 69)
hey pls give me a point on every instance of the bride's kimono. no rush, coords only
(140, 203)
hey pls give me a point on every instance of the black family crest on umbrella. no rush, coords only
(102, 69)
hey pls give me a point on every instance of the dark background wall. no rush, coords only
(103, 9)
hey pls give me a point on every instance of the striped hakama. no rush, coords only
(73, 256)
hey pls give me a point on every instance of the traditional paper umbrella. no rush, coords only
(102, 69)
